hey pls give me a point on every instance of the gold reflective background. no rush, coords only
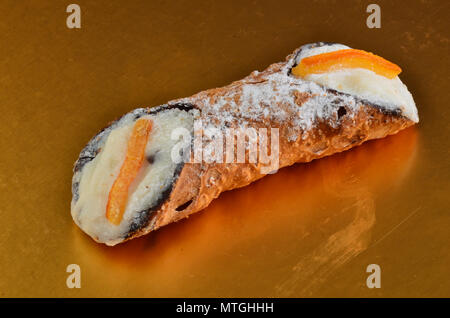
(309, 230)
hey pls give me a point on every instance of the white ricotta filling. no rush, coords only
(307, 52)
(389, 93)
(99, 174)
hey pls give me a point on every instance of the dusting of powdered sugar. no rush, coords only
(270, 96)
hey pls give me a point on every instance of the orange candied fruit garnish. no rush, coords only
(118, 195)
(342, 59)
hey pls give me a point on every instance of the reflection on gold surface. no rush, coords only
(298, 226)
(312, 269)
(343, 182)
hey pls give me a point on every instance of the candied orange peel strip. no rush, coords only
(118, 195)
(347, 58)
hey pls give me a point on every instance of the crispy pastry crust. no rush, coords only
(347, 122)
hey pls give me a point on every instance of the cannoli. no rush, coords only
(154, 166)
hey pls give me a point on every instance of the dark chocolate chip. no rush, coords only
(151, 159)
(341, 112)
